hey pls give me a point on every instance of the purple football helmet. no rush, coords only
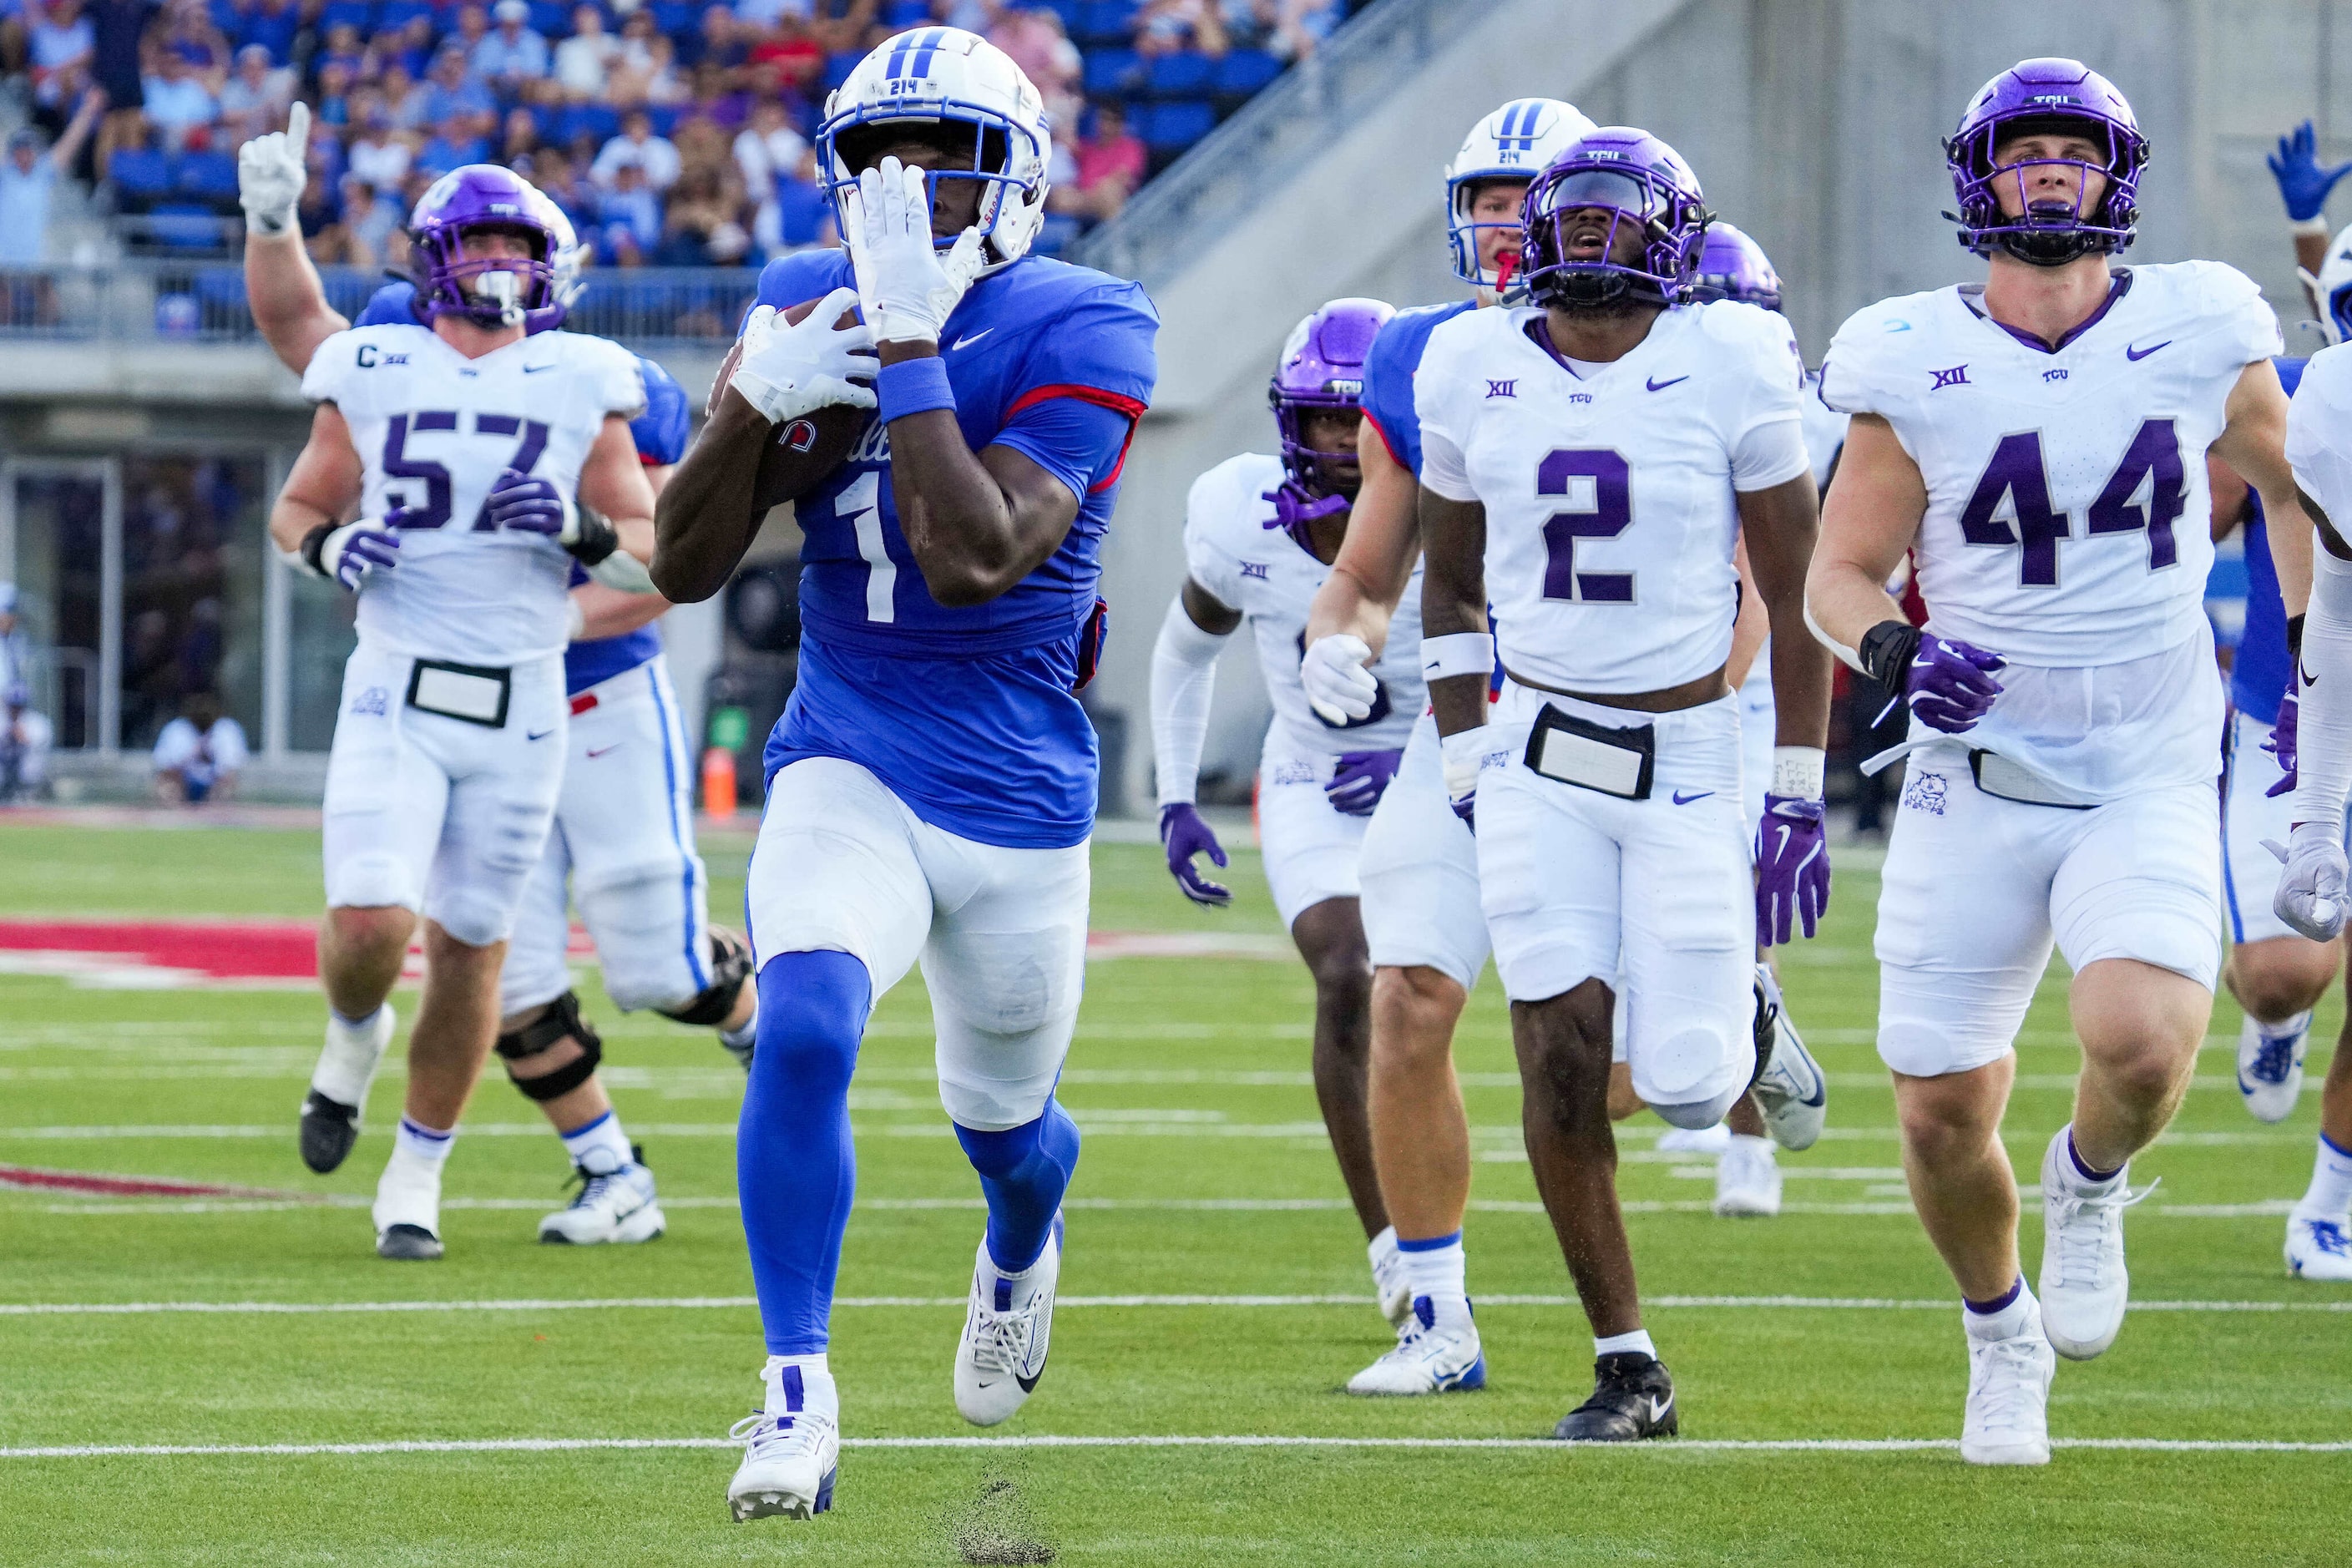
(2047, 95)
(1734, 267)
(1322, 367)
(1645, 185)
(484, 196)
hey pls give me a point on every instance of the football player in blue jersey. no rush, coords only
(932, 781)
(624, 829)
(1419, 870)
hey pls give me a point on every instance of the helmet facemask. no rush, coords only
(1670, 226)
(978, 149)
(489, 291)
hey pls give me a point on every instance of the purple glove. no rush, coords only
(1951, 685)
(1361, 779)
(1792, 868)
(1185, 835)
(2282, 742)
(525, 504)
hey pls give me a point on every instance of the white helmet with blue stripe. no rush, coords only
(935, 77)
(1514, 142)
(2330, 293)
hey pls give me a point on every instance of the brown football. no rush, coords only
(804, 450)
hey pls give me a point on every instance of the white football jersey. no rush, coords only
(1611, 491)
(1824, 430)
(2068, 521)
(434, 430)
(1265, 574)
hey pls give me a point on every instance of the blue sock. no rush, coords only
(1024, 1174)
(794, 1163)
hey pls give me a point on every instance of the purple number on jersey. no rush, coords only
(2154, 459)
(2018, 475)
(1611, 514)
(398, 465)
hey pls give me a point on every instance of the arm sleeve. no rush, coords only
(2324, 767)
(1183, 683)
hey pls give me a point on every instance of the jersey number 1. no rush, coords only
(2016, 475)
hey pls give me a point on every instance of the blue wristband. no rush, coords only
(913, 387)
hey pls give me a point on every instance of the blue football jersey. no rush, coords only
(1388, 377)
(660, 432)
(969, 713)
(2258, 676)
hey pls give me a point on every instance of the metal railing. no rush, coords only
(1211, 187)
(203, 301)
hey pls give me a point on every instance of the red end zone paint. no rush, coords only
(171, 955)
(116, 1187)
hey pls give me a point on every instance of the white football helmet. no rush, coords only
(570, 255)
(931, 75)
(2330, 293)
(1514, 142)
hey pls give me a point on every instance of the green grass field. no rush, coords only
(1205, 1175)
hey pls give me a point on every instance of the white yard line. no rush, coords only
(1676, 1445)
(704, 1303)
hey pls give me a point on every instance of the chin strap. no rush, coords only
(1295, 510)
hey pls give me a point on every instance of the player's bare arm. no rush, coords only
(290, 306)
(324, 485)
(1454, 600)
(978, 522)
(2254, 443)
(612, 481)
(1752, 627)
(705, 521)
(1208, 612)
(1868, 519)
(1778, 526)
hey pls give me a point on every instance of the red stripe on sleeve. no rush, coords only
(1386, 445)
(1116, 402)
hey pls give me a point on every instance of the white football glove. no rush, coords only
(1465, 755)
(1340, 687)
(271, 171)
(2311, 890)
(788, 371)
(907, 286)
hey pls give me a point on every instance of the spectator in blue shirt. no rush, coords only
(454, 144)
(178, 104)
(512, 57)
(27, 176)
(272, 24)
(453, 91)
(630, 216)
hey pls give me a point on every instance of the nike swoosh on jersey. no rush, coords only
(614, 747)
(535, 369)
(1655, 384)
(1682, 799)
(2134, 353)
(970, 338)
(539, 735)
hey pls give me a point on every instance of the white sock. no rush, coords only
(2331, 1182)
(603, 1133)
(421, 1145)
(1382, 1247)
(2022, 1311)
(813, 1376)
(1740, 1139)
(348, 1064)
(744, 1038)
(1435, 1270)
(1639, 1340)
(2283, 1028)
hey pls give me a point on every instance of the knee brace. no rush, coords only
(730, 966)
(561, 1021)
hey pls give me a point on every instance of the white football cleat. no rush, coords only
(2318, 1247)
(339, 1089)
(2270, 1064)
(407, 1211)
(1436, 1352)
(1391, 1288)
(1707, 1141)
(1007, 1326)
(1791, 1091)
(2008, 1418)
(792, 1456)
(615, 1203)
(1747, 1180)
(2084, 1285)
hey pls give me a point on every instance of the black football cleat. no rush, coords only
(330, 1128)
(1633, 1400)
(408, 1244)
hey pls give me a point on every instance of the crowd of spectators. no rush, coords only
(675, 132)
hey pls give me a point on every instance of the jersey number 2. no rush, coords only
(2016, 475)
(1600, 486)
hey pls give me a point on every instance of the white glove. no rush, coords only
(2311, 890)
(788, 371)
(271, 171)
(1465, 754)
(906, 288)
(1340, 687)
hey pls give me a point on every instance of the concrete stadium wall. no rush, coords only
(1815, 125)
